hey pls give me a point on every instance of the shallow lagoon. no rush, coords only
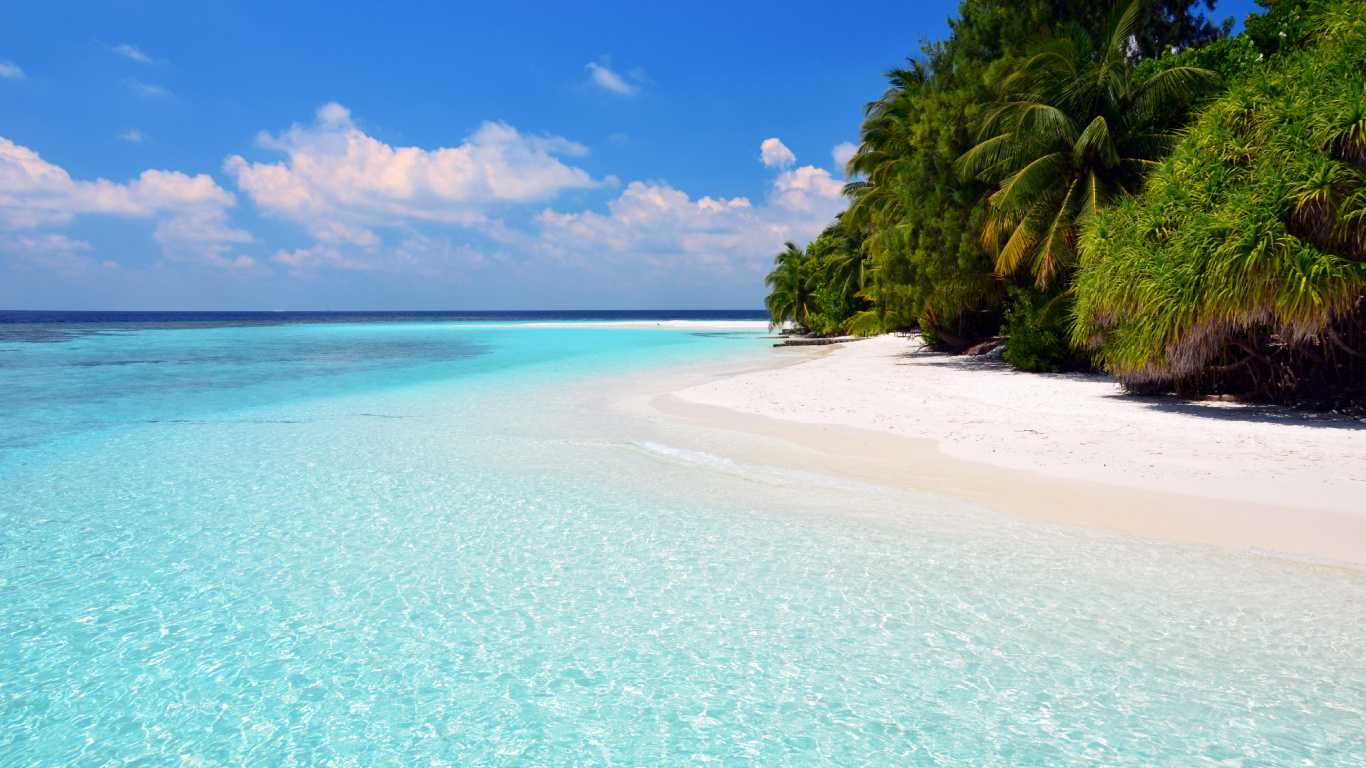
(412, 543)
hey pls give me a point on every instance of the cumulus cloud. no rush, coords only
(841, 154)
(133, 135)
(775, 154)
(602, 75)
(339, 182)
(10, 70)
(669, 231)
(190, 211)
(132, 52)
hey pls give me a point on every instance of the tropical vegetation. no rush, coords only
(1128, 188)
(1242, 265)
(1073, 132)
(789, 294)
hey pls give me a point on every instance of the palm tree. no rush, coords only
(789, 297)
(885, 141)
(1073, 132)
(843, 272)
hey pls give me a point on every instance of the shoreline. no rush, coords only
(1061, 448)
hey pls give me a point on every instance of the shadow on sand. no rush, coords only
(1221, 411)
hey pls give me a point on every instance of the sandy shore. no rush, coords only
(1066, 448)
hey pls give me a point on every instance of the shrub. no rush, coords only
(1036, 324)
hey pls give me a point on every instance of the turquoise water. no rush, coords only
(427, 544)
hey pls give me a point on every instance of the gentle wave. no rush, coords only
(758, 473)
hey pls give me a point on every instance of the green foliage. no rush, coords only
(1229, 58)
(1284, 28)
(920, 223)
(924, 259)
(1254, 228)
(865, 323)
(992, 30)
(931, 338)
(835, 266)
(909, 251)
(789, 298)
(817, 287)
(1072, 133)
(1036, 325)
(832, 312)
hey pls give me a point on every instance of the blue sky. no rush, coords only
(347, 155)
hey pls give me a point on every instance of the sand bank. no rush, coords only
(1066, 448)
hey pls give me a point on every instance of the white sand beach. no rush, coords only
(1069, 448)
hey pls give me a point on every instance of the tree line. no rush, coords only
(1128, 188)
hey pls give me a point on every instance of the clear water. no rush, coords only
(410, 543)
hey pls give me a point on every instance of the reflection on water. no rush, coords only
(419, 548)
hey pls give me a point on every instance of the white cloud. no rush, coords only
(10, 70)
(133, 135)
(203, 232)
(132, 52)
(671, 233)
(841, 154)
(190, 211)
(241, 261)
(300, 259)
(809, 195)
(43, 243)
(53, 252)
(144, 89)
(775, 154)
(601, 74)
(34, 192)
(339, 182)
(333, 113)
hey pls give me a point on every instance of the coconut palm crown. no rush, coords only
(1073, 131)
(885, 143)
(789, 296)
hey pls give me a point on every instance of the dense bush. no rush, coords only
(1036, 327)
(1244, 255)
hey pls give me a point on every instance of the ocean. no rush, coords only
(427, 539)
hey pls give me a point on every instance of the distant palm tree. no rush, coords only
(789, 297)
(1073, 131)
